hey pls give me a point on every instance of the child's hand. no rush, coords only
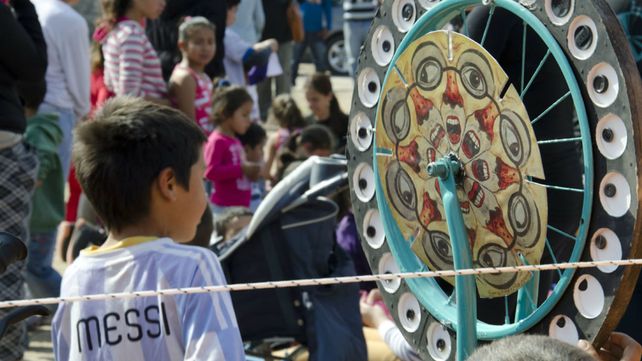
(251, 170)
(619, 346)
(272, 43)
(372, 315)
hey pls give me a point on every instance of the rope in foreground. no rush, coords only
(318, 282)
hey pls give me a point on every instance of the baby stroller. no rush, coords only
(13, 250)
(291, 236)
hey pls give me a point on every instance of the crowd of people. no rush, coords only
(156, 125)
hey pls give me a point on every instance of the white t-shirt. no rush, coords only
(186, 327)
(68, 69)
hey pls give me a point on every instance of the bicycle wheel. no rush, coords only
(535, 100)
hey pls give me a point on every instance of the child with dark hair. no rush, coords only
(227, 165)
(48, 203)
(325, 108)
(189, 87)
(287, 115)
(141, 166)
(315, 139)
(253, 143)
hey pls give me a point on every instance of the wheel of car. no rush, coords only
(335, 56)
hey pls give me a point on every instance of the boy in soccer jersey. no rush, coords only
(141, 166)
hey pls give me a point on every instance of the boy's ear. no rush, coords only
(166, 183)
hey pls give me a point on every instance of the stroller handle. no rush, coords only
(11, 250)
(20, 314)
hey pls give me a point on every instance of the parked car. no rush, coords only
(335, 53)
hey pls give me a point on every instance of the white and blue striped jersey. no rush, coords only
(185, 327)
(360, 9)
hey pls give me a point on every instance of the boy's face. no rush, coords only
(190, 204)
(255, 154)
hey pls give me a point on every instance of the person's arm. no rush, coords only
(74, 59)
(374, 316)
(23, 51)
(210, 331)
(619, 347)
(259, 18)
(215, 152)
(131, 65)
(182, 88)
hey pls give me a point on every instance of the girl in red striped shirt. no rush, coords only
(132, 66)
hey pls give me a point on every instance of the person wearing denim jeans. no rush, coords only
(357, 18)
(313, 11)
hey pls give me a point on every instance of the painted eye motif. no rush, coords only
(396, 116)
(513, 137)
(406, 189)
(427, 66)
(428, 74)
(492, 255)
(476, 75)
(440, 243)
(473, 80)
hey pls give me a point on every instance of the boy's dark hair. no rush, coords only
(529, 347)
(32, 94)
(226, 101)
(121, 152)
(254, 136)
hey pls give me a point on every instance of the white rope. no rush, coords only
(317, 282)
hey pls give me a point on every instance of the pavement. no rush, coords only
(40, 348)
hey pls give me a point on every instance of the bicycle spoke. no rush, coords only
(506, 315)
(557, 102)
(560, 232)
(537, 70)
(550, 251)
(559, 188)
(490, 17)
(560, 140)
(523, 56)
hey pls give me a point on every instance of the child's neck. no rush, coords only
(135, 14)
(227, 130)
(145, 228)
(199, 68)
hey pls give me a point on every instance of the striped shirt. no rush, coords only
(360, 9)
(186, 327)
(132, 66)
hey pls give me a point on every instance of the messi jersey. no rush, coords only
(184, 327)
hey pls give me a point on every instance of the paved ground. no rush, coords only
(40, 340)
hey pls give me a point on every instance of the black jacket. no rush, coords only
(276, 25)
(23, 57)
(163, 32)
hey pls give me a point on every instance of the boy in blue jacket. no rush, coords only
(313, 12)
